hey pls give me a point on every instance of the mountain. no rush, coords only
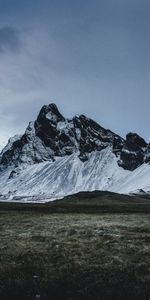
(58, 156)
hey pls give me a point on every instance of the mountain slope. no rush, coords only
(66, 175)
(57, 156)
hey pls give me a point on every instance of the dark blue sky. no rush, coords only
(90, 57)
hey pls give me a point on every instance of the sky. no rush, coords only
(87, 57)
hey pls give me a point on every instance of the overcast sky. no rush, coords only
(87, 56)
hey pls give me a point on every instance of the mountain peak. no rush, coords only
(135, 140)
(50, 113)
(52, 135)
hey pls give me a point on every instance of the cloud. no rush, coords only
(9, 39)
(88, 57)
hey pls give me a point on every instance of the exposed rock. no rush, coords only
(135, 142)
(133, 153)
(53, 135)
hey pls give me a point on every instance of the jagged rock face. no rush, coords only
(134, 151)
(55, 131)
(66, 136)
(134, 142)
(93, 137)
(27, 149)
(52, 135)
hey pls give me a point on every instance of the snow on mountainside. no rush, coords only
(57, 156)
(66, 175)
(137, 181)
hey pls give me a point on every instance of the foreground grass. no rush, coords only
(74, 256)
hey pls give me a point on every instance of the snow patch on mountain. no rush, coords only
(137, 180)
(50, 180)
(67, 175)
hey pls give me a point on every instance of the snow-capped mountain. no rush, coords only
(51, 135)
(58, 156)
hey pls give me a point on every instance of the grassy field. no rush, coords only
(51, 252)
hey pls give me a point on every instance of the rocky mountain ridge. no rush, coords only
(52, 135)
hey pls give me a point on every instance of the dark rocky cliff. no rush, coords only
(53, 135)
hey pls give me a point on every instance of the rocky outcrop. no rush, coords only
(134, 152)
